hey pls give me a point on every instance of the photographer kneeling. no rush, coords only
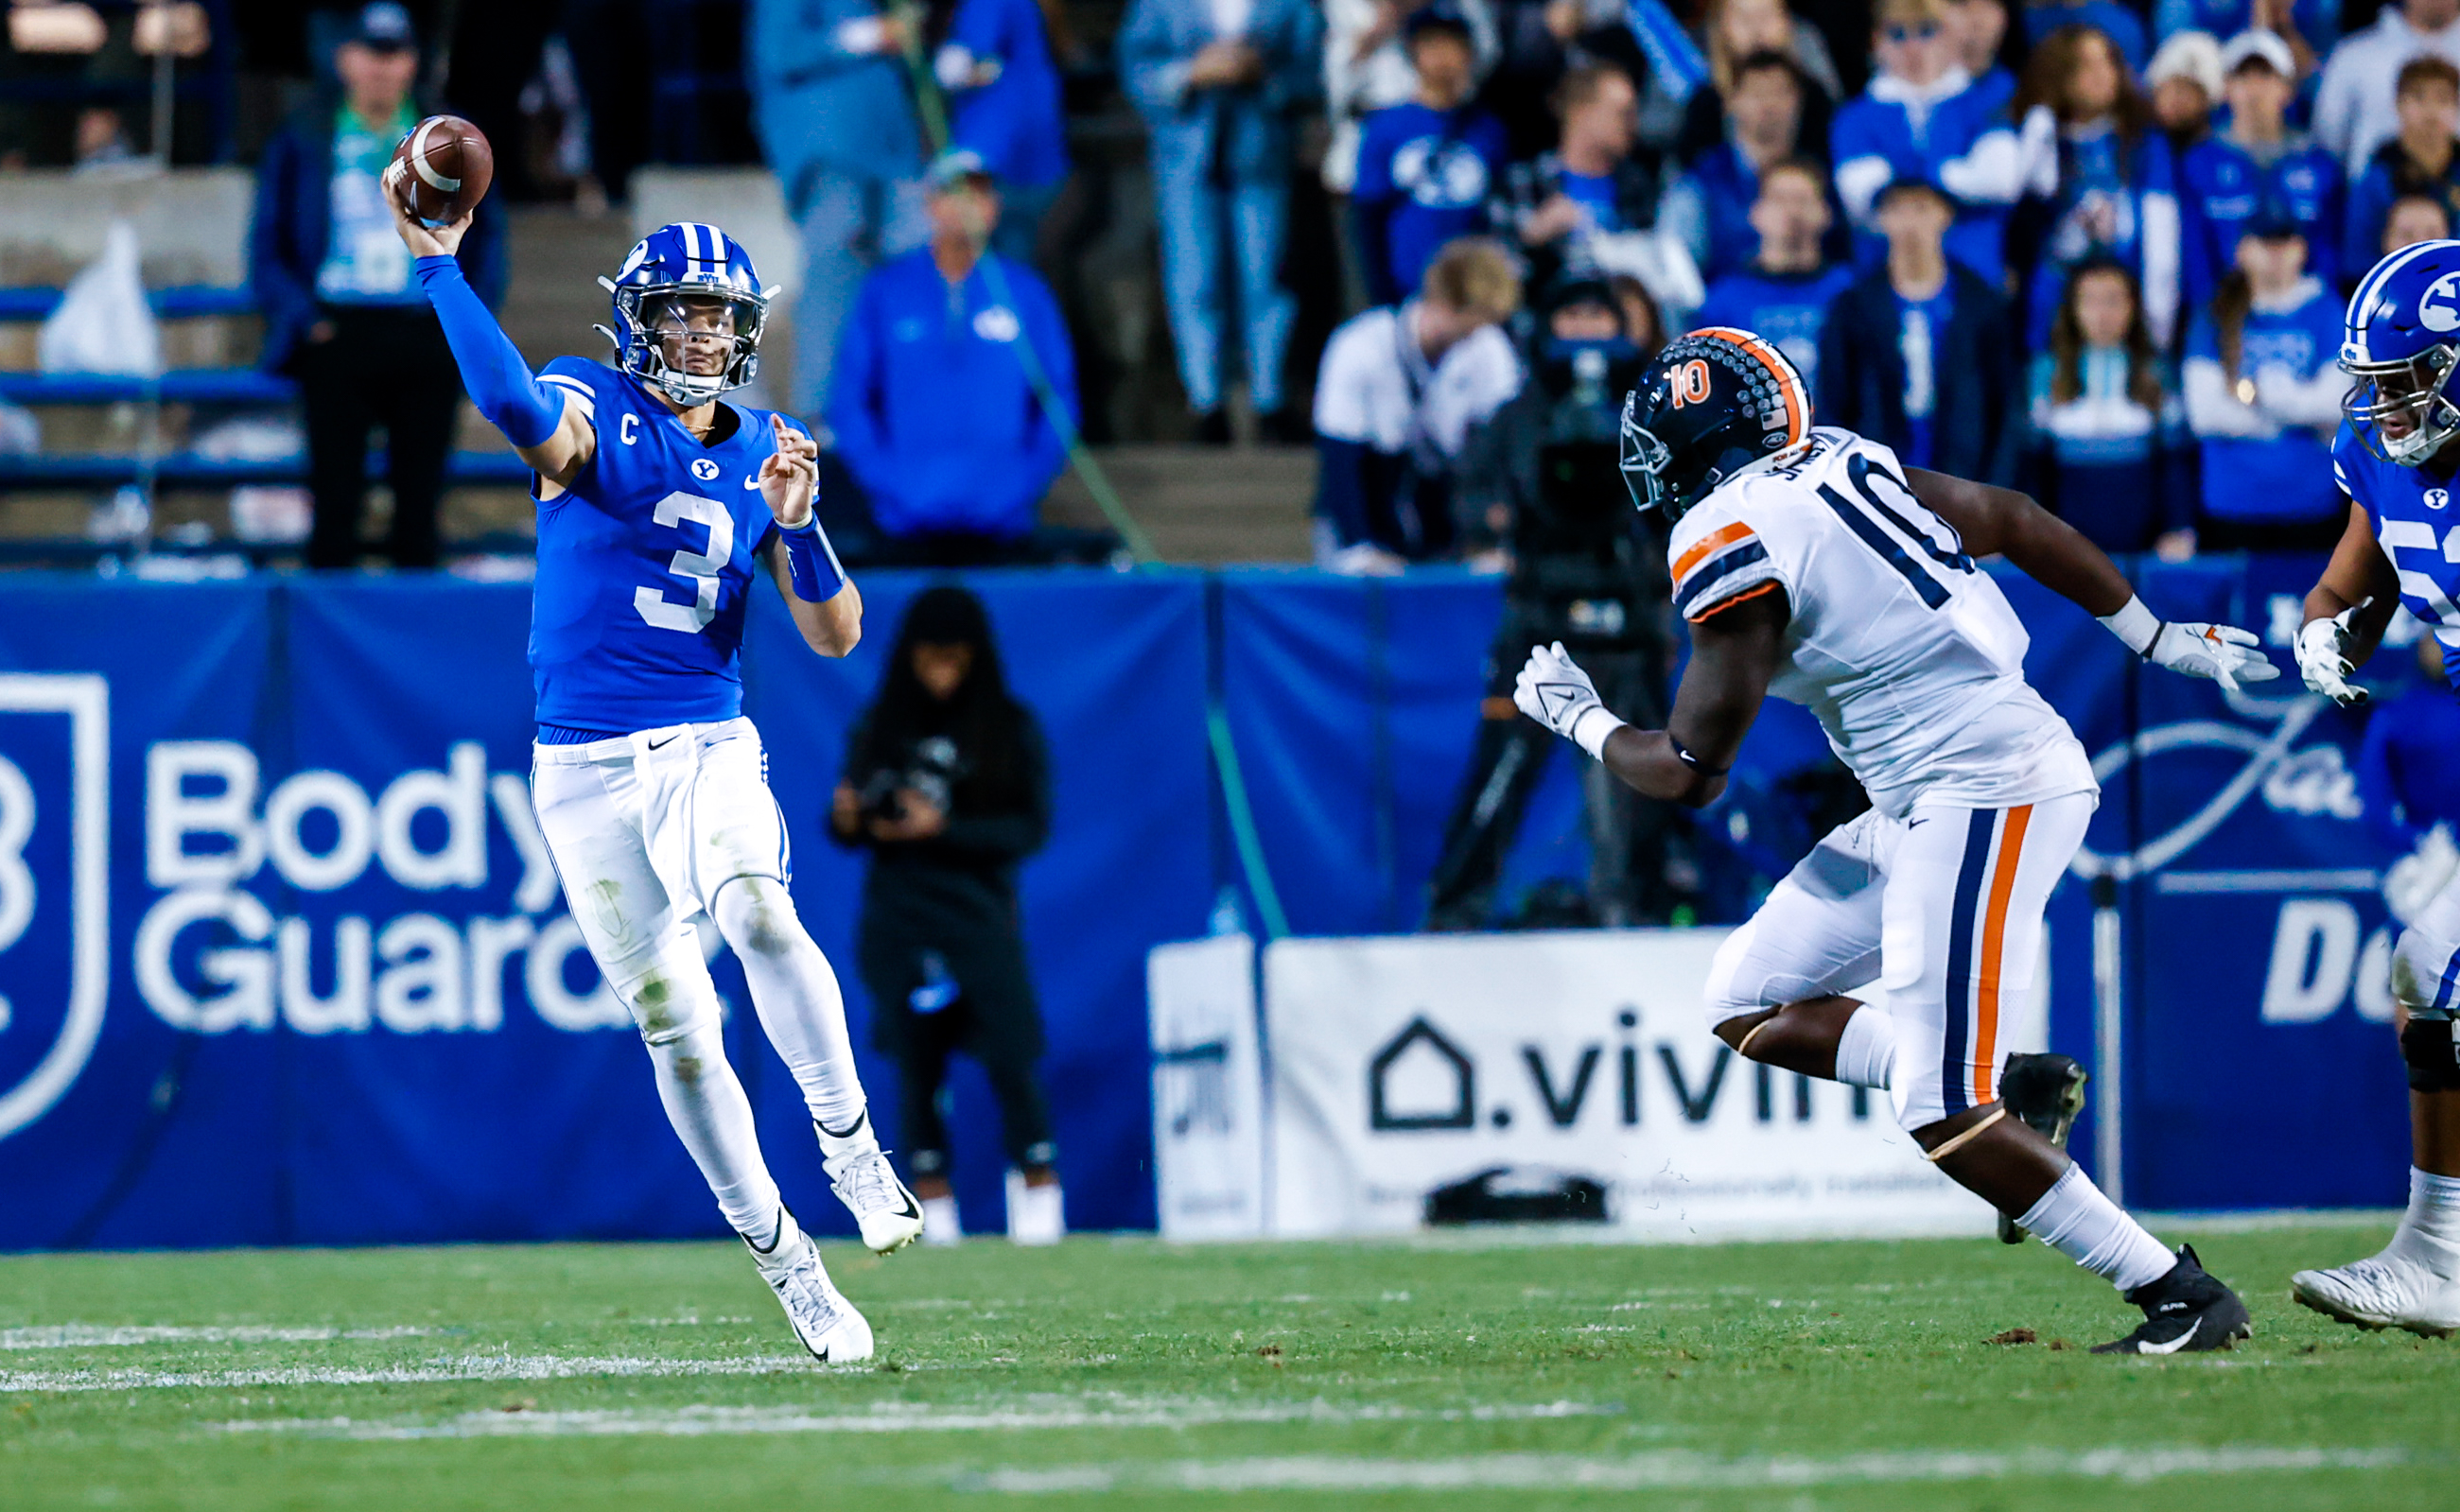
(1540, 484)
(947, 779)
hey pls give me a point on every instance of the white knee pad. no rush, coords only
(2423, 971)
(757, 915)
(667, 991)
(1733, 987)
(1758, 968)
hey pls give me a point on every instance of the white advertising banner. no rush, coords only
(1550, 1075)
(1207, 1089)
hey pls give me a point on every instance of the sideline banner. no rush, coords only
(1405, 1071)
(1207, 1090)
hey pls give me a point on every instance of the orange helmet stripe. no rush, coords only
(1789, 383)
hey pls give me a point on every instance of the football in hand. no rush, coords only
(442, 169)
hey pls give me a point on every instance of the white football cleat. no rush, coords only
(2384, 1291)
(940, 1226)
(859, 1174)
(823, 1319)
(1036, 1215)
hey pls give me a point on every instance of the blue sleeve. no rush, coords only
(982, 28)
(1375, 147)
(2318, 22)
(2204, 338)
(1721, 307)
(854, 384)
(2379, 780)
(796, 47)
(2370, 207)
(500, 382)
(2326, 263)
(1152, 71)
(1341, 488)
(285, 299)
(1854, 134)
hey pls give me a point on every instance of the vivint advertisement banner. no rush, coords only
(1563, 1076)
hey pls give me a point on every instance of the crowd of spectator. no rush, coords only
(2071, 245)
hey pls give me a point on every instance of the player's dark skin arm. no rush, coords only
(2359, 577)
(1734, 653)
(2002, 522)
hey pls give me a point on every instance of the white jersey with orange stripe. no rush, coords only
(1908, 654)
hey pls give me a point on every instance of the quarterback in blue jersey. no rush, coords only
(655, 500)
(2398, 456)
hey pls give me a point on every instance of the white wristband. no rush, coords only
(1592, 738)
(2134, 624)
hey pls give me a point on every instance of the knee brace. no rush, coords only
(2432, 1048)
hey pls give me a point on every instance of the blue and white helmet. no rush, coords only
(2401, 345)
(686, 262)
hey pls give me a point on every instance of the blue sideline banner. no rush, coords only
(282, 961)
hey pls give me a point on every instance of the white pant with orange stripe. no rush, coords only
(1941, 909)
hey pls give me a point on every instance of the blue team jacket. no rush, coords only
(2221, 185)
(1014, 121)
(1424, 177)
(1871, 127)
(932, 410)
(2387, 176)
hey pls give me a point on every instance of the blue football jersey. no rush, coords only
(2414, 522)
(644, 564)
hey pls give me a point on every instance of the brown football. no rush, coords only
(442, 169)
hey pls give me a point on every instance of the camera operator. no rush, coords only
(1539, 483)
(947, 779)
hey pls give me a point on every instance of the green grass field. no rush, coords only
(1127, 1372)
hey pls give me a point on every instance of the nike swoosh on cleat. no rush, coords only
(2148, 1347)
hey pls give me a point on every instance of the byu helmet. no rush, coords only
(675, 264)
(1714, 404)
(2401, 345)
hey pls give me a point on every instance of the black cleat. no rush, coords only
(2046, 1092)
(2185, 1313)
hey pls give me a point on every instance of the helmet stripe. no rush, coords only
(1789, 383)
(2372, 283)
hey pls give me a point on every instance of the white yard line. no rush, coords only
(461, 1368)
(1667, 1470)
(898, 1419)
(98, 1335)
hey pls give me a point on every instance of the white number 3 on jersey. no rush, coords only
(698, 568)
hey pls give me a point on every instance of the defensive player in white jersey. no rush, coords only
(1813, 565)
(2398, 457)
(656, 500)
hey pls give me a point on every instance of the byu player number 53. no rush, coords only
(2398, 457)
(655, 499)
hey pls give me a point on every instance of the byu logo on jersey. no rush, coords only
(54, 903)
(2440, 310)
(2437, 498)
(704, 469)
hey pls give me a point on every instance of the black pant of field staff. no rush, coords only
(1628, 835)
(993, 1017)
(384, 366)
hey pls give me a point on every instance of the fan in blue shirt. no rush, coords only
(2263, 397)
(933, 400)
(1785, 293)
(1922, 118)
(2254, 161)
(1428, 168)
(2114, 192)
(2422, 161)
(1709, 206)
(1004, 104)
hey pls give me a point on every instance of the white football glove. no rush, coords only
(2224, 653)
(1553, 690)
(2322, 659)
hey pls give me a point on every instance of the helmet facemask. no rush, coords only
(663, 325)
(1645, 462)
(2407, 393)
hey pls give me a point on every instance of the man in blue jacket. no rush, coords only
(1219, 86)
(933, 402)
(833, 106)
(343, 314)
